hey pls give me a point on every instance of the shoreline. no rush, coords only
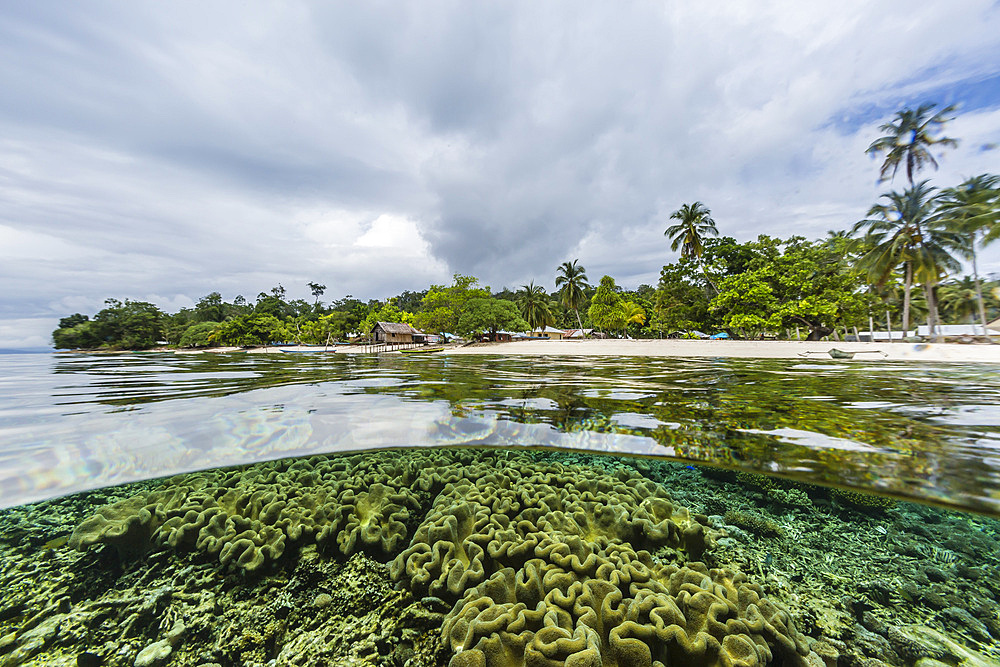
(745, 349)
(736, 349)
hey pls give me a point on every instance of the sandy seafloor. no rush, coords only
(484, 557)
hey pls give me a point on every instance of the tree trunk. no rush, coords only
(932, 312)
(979, 291)
(707, 279)
(908, 282)
(579, 321)
(818, 332)
(888, 324)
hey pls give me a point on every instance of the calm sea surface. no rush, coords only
(71, 422)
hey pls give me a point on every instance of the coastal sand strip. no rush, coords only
(742, 349)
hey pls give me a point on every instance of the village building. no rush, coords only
(577, 333)
(396, 332)
(549, 333)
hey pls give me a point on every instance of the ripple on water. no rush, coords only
(926, 430)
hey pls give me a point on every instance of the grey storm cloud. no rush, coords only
(160, 151)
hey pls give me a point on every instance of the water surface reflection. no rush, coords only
(930, 432)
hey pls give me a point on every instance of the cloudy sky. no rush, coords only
(161, 151)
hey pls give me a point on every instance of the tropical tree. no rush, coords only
(572, 281)
(442, 307)
(972, 209)
(491, 315)
(633, 313)
(908, 138)
(958, 299)
(908, 231)
(694, 223)
(534, 305)
(606, 306)
(317, 290)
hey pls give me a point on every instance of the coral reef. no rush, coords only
(480, 557)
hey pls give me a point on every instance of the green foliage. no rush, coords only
(72, 321)
(443, 306)
(748, 302)
(330, 327)
(572, 284)
(678, 304)
(792, 283)
(490, 315)
(247, 330)
(198, 335)
(387, 313)
(907, 138)
(533, 303)
(606, 310)
(694, 223)
(210, 308)
(132, 325)
(82, 336)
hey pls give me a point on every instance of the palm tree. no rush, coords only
(972, 210)
(958, 299)
(572, 281)
(694, 222)
(907, 139)
(534, 305)
(907, 231)
(632, 313)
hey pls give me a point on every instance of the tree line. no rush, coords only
(898, 265)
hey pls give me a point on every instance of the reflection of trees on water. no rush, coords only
(887, 418)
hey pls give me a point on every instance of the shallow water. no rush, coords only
(927, 432)
(518, 551)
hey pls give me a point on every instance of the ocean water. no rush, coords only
(246, 509)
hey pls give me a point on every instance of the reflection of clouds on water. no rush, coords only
(814, 440)
(636, 420)
(100, 420)
(616, 395)
(971, 415)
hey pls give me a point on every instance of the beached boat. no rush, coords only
(288, 351)
(422, 350)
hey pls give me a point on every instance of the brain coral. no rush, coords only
(545, 563)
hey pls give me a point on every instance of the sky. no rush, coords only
(162, 151)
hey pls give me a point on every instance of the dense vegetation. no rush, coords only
(898, 266)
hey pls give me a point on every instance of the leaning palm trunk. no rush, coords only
(932, 312)
(578, 320)
(979, 293)
(907, 284)
(707, 279)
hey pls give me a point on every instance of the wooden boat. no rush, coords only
(840, 354)
(422, 350)
(331, 351)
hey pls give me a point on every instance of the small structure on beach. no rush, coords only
(957, 331)
(577, 333)
(396, 332)
(550, 333)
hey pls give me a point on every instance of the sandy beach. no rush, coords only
(743, 349)
(820, 350)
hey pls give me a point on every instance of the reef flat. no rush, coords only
(477, 557)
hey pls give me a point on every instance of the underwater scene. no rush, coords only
(249, 510)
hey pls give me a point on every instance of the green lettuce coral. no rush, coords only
(544, 563)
